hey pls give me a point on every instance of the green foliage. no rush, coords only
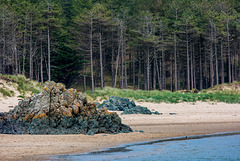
(67, 62)
(166, 96)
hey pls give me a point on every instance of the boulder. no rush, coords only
(57, 110)
(125, 105)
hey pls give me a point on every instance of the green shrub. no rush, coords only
(21, 96)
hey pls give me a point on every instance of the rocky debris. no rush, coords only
(123, 104)
(57, 110)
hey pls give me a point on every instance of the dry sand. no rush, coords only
(7, 103)
(190, 119)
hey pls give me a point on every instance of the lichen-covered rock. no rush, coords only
(123, 104)
(57, 110)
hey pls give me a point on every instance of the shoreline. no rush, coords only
(198, 119)
(136, 149)
(55, 145)
(124, 146)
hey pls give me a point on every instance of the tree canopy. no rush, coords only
(140, 44)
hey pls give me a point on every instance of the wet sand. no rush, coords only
(185, 119)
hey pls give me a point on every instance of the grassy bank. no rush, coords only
(20, 83)
(228, 93)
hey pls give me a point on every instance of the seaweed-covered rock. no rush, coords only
(137, 110)
(117, 104)
(57, 110)
(125, 105)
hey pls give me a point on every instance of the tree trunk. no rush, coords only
(148, 69)
(134, 73)
(145, 76)
(31, 51)
(15, 53)
(232, 66)
(19, 64)
(91, 51)
(194, 69)
(239, 62)
(175, 63)
(222, 64)
(12, 61)
(229, 54)
(117, 60)
(36, 71)
(206, 70)
(139, 71)
(178, 74)
(235, 65)
(49, 51)
(191, 67)
(101, 59)
(216, 55)
(119, 77)
(41, 61)
(125, 69)
(171, 73)
(211, 61)
(4, 43)
(97, 71)
(116, 72)
(158, 75)
(163, 66)
(113, 55)
(24, 47)
(175, 55)
(49, 57)
(200, 68)
(150, 76)
(188, 70)
(154, 70)
(84, 77)
(122, 67)
(129, 69)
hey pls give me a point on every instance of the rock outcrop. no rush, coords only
(123, 104)
(57, 110)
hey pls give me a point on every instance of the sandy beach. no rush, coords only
(185, 119)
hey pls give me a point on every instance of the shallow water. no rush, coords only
(207, 147)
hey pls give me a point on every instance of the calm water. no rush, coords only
(210, 147)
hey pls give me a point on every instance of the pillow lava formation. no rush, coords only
(57, 110)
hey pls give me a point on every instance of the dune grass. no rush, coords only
(209, 95)
(6, 92)
(22, 84)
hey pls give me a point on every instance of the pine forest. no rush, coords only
(136, 44)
